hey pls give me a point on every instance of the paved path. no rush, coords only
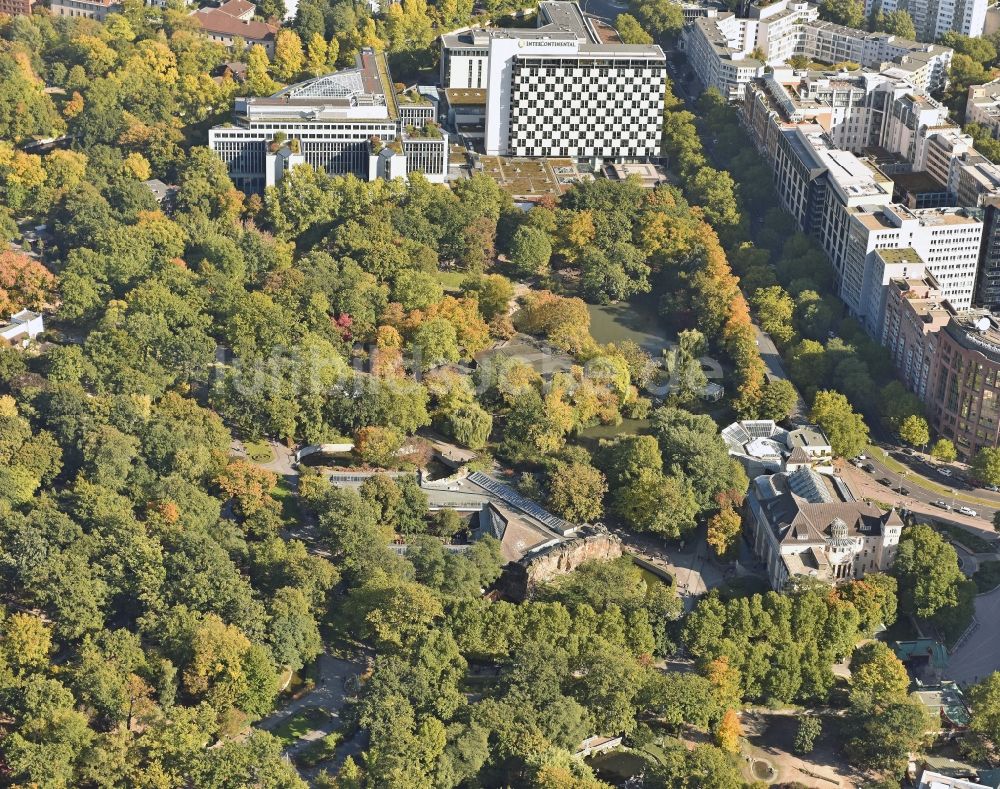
(283, 460)
(776, 371)
(693, 572)
(328, 695)
(979, 655)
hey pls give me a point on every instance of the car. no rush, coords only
(942, 504)
(968, 511)
(945, 472)
(904, 491)
(885, 481)
(907, 451)
(993, 488)
(862, 457)
(868, 467)
(855, 462)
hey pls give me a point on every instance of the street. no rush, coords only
(918, 499)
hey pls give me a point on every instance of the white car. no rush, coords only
(945, 472)
(968, 511)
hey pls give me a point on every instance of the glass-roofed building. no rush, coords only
(348, 122)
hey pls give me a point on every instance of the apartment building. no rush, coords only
(964, 392)
(983, 106)
(727, 51)
(933, 18)
(346, 122)
(233, 20)
(16, 7)
(86, 9)
(559, 90)
(915, 311)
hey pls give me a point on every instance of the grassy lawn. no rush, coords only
(259, 451)
(300, 723)
(969, 540)
(987, 577)
(287, 499)
(451, 280)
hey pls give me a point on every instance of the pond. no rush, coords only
(616, 766)
(636, 320)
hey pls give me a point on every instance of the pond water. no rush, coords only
(634, 320)
(615, 766)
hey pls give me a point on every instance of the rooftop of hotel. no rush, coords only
(555, 19)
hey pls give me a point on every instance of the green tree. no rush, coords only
(850, 13)
(778, 400)
(435, 342)
(775, 308)
(809, 729)
(984, 701)
(914, 431)
(846, 430)
(660, 17)
(530, 250)
(927, 571)
(986, 465)
(576, 491)
(884, 741)
(944, 450)
(630, 30)
(878, 678)
(493, 293)
(715, 191)
(898, 23)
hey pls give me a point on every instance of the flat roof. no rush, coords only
(918, 182)
(465, 96)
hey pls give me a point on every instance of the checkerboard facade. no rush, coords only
(569, 107)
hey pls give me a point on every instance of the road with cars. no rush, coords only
(905, 491)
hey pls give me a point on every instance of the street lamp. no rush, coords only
(902, 478)
(953, 498)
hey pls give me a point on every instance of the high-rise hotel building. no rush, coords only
(559, 90)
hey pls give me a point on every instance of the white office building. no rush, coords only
(350, 121)
(559, 90)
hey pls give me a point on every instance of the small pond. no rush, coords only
(635, 320)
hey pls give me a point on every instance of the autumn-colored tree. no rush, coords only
(724, 531)
(377, 446)
(25, 642)
(288, 57)
(259, 82)
(471, 330)
(24, 283)
(728, 732)
(249, 485)
(317, 55)
(575, 232)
